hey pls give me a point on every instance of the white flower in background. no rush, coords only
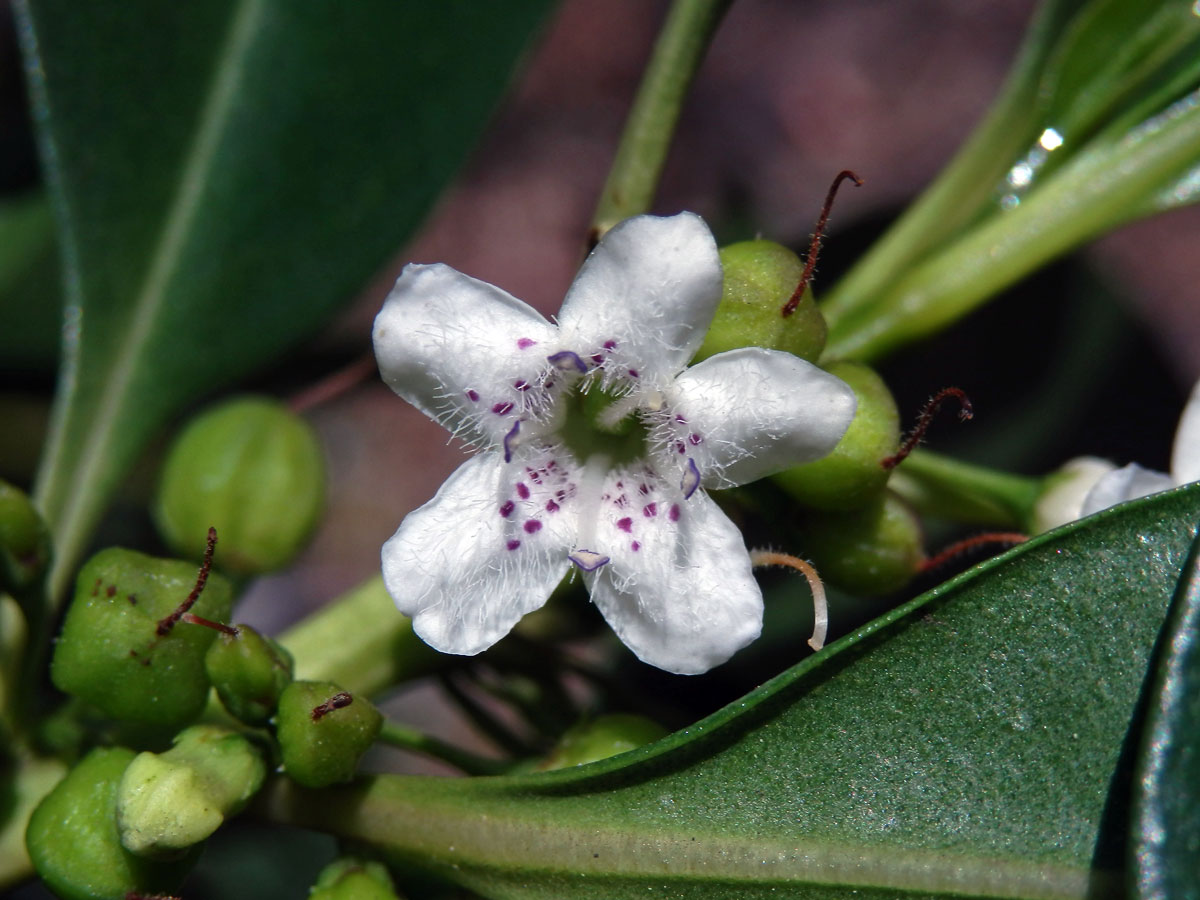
(599, 444)
(1089, 485)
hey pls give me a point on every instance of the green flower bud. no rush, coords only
(354, 879)
(323, 732)
(851, 475)
(601, 738)
(254, 470)
(167, 802)
(869, 551)
(74, 843)
(1064, 491)
(111, 653)
(760, 278)
(24, 541)
(249, 672)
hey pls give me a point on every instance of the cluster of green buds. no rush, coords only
(862, 537)
(145, 645)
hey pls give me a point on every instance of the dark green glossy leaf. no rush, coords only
(30, 298)
(224, 174)
(967, 744)
(1166, 850)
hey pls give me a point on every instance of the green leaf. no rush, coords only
(967, 744)
(224, 174)
(30, 297)
(1166, 829)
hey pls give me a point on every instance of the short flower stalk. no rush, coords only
(598, 447)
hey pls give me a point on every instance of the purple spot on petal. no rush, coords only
(625, 525)
(551, 506)
(680, 419)
(633, 373)
(610, 345)
(679, 448)
(513, 544)
(525, 343)
(533, 526)
(635, 546)
(521, 385)
(691, 479)
(650, 510)
(565, 361)
(506, 508)
(673, 513)
(502, 408)
(552, 465)
(597, 358)
(522, 490)
(643, 488)
(510, 440)
(694, 439)
(561, 495)
(549, 384)
(473, 396)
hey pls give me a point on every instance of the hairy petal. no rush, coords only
(468, 565)
(459, 350)
(1185, 454)
(644, 298)
(747, 413)
(1127, 483)
(678, 589)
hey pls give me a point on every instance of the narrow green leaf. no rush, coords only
(964, 745)
(1166, 845)
(225, 173)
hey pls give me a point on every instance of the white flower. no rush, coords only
(599, 444)
(1088, 485)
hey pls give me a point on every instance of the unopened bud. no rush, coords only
(601, 738)
(354, 879)
(24, 541)
(249, 672)
(253, 469)
(323, 731)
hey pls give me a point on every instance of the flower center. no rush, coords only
(598, 422)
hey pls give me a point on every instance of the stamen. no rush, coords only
(587, 560)
(760, 558)
(614, 414)
(566, 361)
(1012, 538)
(814, 248)
(511, 441)
(691, 479)
(166, 623)
(925, 418)
(339, 700)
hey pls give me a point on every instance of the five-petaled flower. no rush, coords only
(599, 444)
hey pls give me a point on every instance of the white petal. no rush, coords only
(460, 349)
(1185, 454)
(1063, 498)
(746, 413)
(644, 298)
(469, 564)
(678, 589)
(1127, 483)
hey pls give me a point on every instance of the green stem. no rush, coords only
(1101, 188)
(397, 735)
(361, 642)
(962, 189)
(940, 486)
(642, 152)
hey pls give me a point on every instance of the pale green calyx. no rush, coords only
(167, 802)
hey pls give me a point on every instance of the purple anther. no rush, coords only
(673, 513)
(551, 506)
(510, 441)
(506, 508)
(565, 361)
(610, 345)
(502, 408)
(525, 343)
(533, 526)
(473, 396)
(650, 510)
(633, 373)
(513, 544)
(625, 525)
(635, 546)
(522, 490)
(587, 560)
(691, 479)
